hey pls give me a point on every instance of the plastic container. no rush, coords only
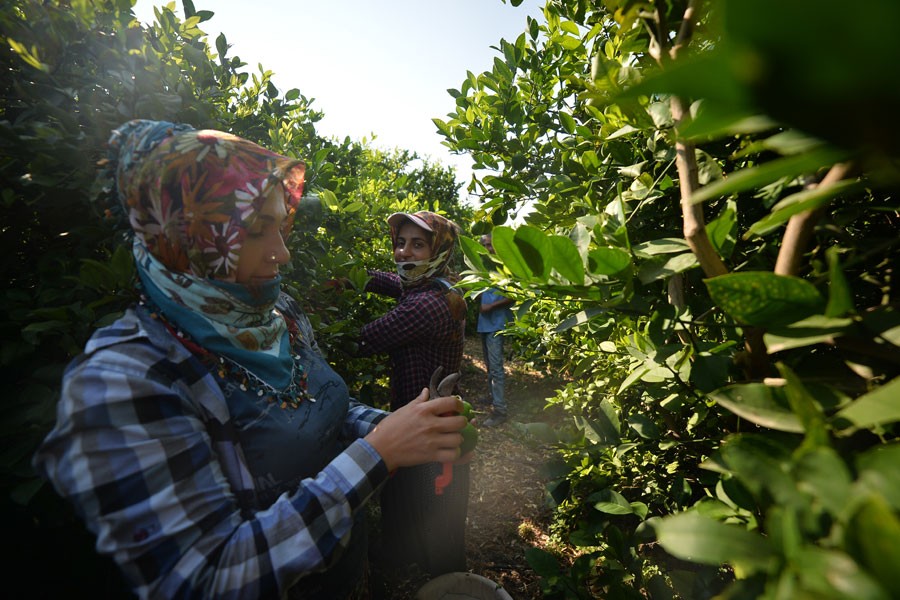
(462, 586)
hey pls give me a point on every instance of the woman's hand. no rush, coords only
(417, 433)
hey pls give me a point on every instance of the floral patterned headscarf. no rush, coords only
(443, 235)
(190, 197)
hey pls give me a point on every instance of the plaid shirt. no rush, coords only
(145, 449)
(419, 334)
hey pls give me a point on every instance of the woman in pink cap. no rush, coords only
(424, 331)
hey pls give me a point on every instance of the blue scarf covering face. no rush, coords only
(225, 318)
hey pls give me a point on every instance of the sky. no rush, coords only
(379, 71)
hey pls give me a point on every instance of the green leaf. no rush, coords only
(506, 183)
(840, 299)
(221, 45)
(604, 428)
(640, 509)
(760, 404)
(608, 260)
(661, 246)
(443, 127)
(30, 57)
(569, 43)
(569, 27)
(692, 537)
(503, 240)
(473, 252)
(878, 471)
(653, 270)
(874, 409)
(330, 200)
(826, 573)
(722, 230)
(611, 502)
(566, 259)
(579, 318)
(761, 462)
(805, 407)
(567, 122)
(784, 142)
(806, 332)
(535, 249)
(710, 371)
(122, 264)
(757, 177)
(632, 378)
(358, 277)
(624, 131)
(706, 75)
(795, 204)
(644, 426)
(826, 478)
(33, 333)
(764, 299)
(543, 563)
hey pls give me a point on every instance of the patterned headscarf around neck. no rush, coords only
(190, 197)
(443, 235)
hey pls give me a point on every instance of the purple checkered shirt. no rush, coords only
(419, 334)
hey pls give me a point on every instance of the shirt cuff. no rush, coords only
(369, 470)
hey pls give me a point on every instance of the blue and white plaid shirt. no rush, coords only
(145, 449)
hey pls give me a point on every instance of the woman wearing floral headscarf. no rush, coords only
(202, 437)
(424, 331)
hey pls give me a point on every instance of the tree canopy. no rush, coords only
(710, 252)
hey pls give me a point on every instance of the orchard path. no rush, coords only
(507, 508)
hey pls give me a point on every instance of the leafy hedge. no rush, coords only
(711, 251)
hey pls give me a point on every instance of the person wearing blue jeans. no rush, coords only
(495, 313)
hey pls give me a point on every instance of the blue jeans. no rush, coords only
(492, 346)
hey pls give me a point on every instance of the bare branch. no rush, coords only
(694, 222)
(692, 213)
(686, 31)
(800, 227)
(685, 152)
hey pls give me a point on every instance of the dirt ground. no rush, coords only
(507, 509)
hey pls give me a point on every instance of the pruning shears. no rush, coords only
(438, 388)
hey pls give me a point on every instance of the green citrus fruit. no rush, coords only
(470, 439)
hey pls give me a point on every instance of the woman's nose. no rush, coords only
(280, 253)
(400, 251)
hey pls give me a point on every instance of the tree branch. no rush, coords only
(694, 222)
(800, 227)
(686, 31)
